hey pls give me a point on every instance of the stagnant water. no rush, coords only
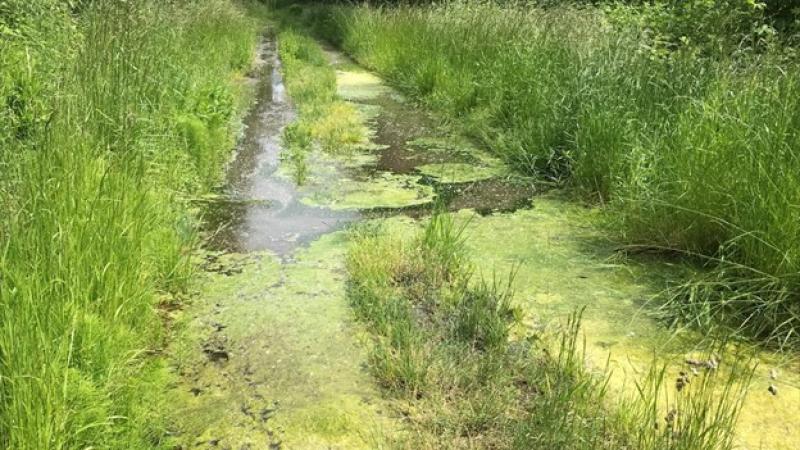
(270, 357)
(261, 210)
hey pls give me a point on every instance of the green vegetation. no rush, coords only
(323, 118)
(112, 115)
(446, 346)
(681, 117)
(116, 115)
(297, 143)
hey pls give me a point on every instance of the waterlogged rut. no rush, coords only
(266, 211)
(270, 356)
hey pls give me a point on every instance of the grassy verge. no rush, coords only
(688, 135)
(324, 120)
(444, 347)
(112, 114)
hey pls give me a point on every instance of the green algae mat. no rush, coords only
(562, 264)
(281, 363)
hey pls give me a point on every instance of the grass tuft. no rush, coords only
(442, 346)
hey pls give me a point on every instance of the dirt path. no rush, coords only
(270, 356)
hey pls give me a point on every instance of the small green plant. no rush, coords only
(297, 144)
(482, 316)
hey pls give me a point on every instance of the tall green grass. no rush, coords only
(444, 346)
(111, 114)
(690, 140)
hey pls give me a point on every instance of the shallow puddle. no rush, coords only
(260, 209)
(413, 152)
(268, 354)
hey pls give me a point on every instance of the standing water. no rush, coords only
(269, 356)
(264, 211)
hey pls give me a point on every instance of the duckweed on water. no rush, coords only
(287, 365)
(562, 263)
(459, 172)
(385, 190)
(328, 186)
(453, 145)
(359, 85)
(468, 362)
(443, 345)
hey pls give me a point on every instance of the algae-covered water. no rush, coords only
(270, 356)
(563, 264)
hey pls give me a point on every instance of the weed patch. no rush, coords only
(334, 125)
(443, 346)
(111, 113)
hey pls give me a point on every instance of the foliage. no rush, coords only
(111, 113)
(333, 124)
